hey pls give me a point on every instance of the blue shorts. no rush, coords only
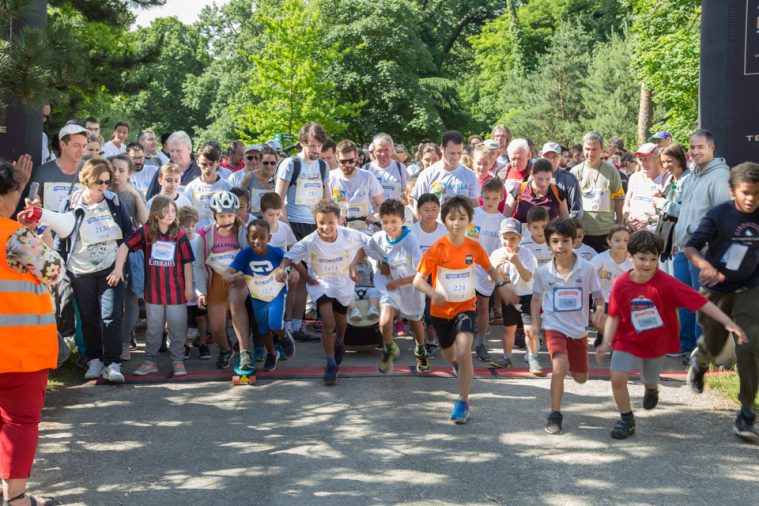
(270, 315)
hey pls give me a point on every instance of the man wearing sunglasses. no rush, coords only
(252, 159)
(356, 191)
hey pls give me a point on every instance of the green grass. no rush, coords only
(727, 385)
(67, 374)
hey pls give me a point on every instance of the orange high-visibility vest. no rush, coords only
(28, 334)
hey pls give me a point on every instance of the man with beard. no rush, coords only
(143, 173)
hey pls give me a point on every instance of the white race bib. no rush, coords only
(456, 284)
(264, 288)
(329, 267)
(163, 251)
(646, 319)
(401, 268)
(55, 194)
(598, 200)
(308, 192)
(355, 215)
(99, 227)
(220, 262)
(202, 202)
(733, 257)
(567, 299)
(391, 190)
(255, 199)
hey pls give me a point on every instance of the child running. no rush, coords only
(610, 264)
(516, 264)
(450, 262)
(259, 262)
(168, 282)
(397, 254)
(642, 325)
(328, 253)
(560, 289)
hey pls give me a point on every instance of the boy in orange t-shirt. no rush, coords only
(450, 262)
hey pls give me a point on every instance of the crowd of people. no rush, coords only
(455, 237)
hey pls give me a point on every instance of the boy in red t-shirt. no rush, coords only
(450, 262)
(643, 324)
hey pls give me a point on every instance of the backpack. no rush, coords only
(401, 172)
(523, 187)
(323, 169)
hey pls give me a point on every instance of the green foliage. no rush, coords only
(288, 75)
(665, 45)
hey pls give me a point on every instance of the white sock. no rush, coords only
(295, 324)
(288, 325)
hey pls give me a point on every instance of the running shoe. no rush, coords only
(651, 398)
(299, 335)
(126, 355)
(502, 363)
(94, 369)
(482, 353)
(246, 362)
(147, 367)
(259, 352)
(555, 419)
(225, 359)
(746, 428)
(423, 363)
(623, 429)
(534, 365)
(187, 352)
(205, 353)
(270, 363)
(288, 345)
(389, 353)
(179, 369)
(330, 373)
(460, 413)
(373, 313)
(355, 315)
(112, 373)
(696, 373)
(339, 351)
(280, 351)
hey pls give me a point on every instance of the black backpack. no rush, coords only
(323, 168)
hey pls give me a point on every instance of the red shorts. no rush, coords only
(576, 350)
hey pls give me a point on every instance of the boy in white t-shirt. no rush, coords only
(561, 289)
(484, 229)
(169, 179)
(611, 264)
(583, 250)
(397, 254)
(516, 264)
(328, 253)
(201, 189)
(537, 219)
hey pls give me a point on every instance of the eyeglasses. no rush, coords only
(101, 182)
(349, 161)
(268, 162)
(604, 158)
(252, 157)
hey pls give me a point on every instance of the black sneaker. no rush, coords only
(554, 423)
(330, 373)
(696, 373)
(623, 429)
(132, 343)
(482, 353)
(651, 398)
(205, 353)
(225, 359)
(187, 351)
(270, 363)
(746, 428)
(339, 351)
(288, 344)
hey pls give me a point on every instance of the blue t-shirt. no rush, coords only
(251, 264)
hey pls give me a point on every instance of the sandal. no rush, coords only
(46, 501)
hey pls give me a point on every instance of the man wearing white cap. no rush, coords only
(644, 190)
(252, 159)
(564, 179)
(58, 178)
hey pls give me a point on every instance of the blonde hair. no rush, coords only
(93, 168)
(169, 168)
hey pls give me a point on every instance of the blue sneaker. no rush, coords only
(330, 373)
(339, 351)
(280, 351)
(460, 413)
(260, 353)
(288, 345)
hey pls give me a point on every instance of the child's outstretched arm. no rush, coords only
(712, 311)
(610, 328)
(709, 275)
(421, 284)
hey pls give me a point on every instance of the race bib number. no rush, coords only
(355, 215)
(598, 200)
(644, 315)
(308, 192)
(255, 199)
(326, 267)
(99, 227)
(264, 288)
(391, 190)
(220, 262)
(401, 268)
(567, 299)
(55, 194)
(163, 251)
(457, 285)
(202, 202)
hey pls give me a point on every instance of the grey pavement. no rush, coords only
(383, 440)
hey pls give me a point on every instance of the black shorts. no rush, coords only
(195, 311)
(301, 230)
(447, 330)
(514, 316)
(336, 306)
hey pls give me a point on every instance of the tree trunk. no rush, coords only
(644, 115)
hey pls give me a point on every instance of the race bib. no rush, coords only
(355, 215)
(55, 194)
(326, 267)
(457, 285)
(401, 268)
(567, 299)
(598, 200)
(220, 262)
(255, 199)
(163, 251)
(264, 288)
(99, 227)
(308, 192)
(733, 257)
(202, 202)
(391, 190)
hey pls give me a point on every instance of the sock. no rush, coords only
(288, 325)
(479, 339)
(628, 417)
(295, 325)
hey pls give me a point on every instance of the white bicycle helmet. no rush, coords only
(225, 202)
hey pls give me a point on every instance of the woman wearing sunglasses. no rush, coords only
(259, 181)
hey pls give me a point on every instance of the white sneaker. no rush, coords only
(355, 315)
(94, 369)
(126, 355)
(113, 374)
(373, 313)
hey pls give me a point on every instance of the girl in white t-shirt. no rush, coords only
(611, 264)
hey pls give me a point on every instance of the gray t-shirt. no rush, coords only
(96, 247)
(55, 186)
(304, 193)
(130, 204)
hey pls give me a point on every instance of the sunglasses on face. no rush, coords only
(252, 157)
(349, 161)
(267, 162)
(101, 182)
